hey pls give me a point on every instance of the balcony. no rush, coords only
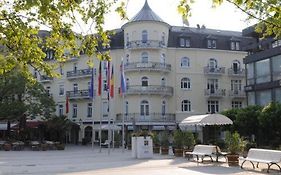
(215, 93)
(214, 71)
(149, 44)
(149, 66)
(45, 79)
(82, 73)
(149, 90)
(236, 73)
(237, 94)
(137, 118)
(79, 94)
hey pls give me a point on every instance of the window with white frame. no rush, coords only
(185, 83)
(48, 90)
(144, 57)
(75, 88)
(74, 110)
(90, 110)
(127, 39)
(213, 64)
(60, 110)
(163, 38)
(144, 36)
(126, 108)
(127, 58)
(163, 109)
(185, 62)
(276, 43)
(127, 82)
(184, 42)
(105, 109)
(144, 81)
(104, 85)
(236, 86)
(163, 58)
(144, 108)
(211, 43)
(61, 89)
(163, 81)
(61, 70)
(236, 66)
(75, 67)
(212, 85)
(235, 45)
(236, 104)
(186, 106)
(213, 106)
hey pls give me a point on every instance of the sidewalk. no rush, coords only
(84, 160)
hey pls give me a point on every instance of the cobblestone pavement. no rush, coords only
(83, 160)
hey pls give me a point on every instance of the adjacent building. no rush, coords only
(171, 72)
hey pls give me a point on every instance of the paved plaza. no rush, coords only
(83, 160)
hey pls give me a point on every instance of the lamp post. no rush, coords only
(80, 127)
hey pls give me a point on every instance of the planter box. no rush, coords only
(142, 147)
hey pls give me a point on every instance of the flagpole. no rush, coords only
(100, 92)
(123, 130)
(92, 94)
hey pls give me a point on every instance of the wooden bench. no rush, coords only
(203, 151)
(270, 157)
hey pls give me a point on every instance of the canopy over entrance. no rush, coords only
(107, 127)
(207, 119)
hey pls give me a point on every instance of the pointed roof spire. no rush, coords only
(146, 14)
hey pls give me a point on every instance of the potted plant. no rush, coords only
(164, 142)
(7, 146)
(234, 145)
(188, 141)
(178, 143)
(156, 143)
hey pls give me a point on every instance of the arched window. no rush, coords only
(163, 109)
(127, 82)
(127, 58)
(144, 108)
(185, 83)
(213, 64)
(186, 106)
(126, 108)
(236, 66)
(163, 58)
(144, 36)
(144, 81)
(127, 39)
(185, 62)
(163, 81)
(144, 57)
(163, 38)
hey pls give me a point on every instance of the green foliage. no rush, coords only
(155, 139)
(188, 139)
(234, 143)
(178, 138)
(164, 138)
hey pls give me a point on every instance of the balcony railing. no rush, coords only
(79, 73)
(152, 117)
(150, 90)
(215, 92)
(151, 66)
(214, 71)
(238, 72)
(237, 94)
(45, 78)
(139, 44)
(79, 94)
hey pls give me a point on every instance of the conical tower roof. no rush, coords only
(146, 14)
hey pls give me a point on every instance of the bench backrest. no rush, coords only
(207, 149)
(265, 154)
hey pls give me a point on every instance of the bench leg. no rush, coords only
(244, 162)
(269, 165)
(257, 164)
(252, 164)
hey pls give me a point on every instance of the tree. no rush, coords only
(22, 46)
(20, 98)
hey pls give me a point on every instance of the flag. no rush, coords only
(112, 83)
(108, 76)
(91, 90)
(123, 80)
(100, 82)
(66, 105)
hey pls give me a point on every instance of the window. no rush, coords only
(61, 70)
(163, 109)
(250, 74)
(50, 54)
(144, 108)
(251, 98)
(144, 36)
(185, 63)
(163, 58)
(262, 71)
(185, 83)
(126, 108)
(212, 64)
(276, 67)
(74, 110)
(278, 95)
(212, 85)
(75, 67)
(263, 97)
(105, 108)
(163, 81)
(104, 85)
(35, 73)
(144, 57)
(48, 90)
(60, 110)
(75, 88)
(211, 43)
(90, 110)
(236, 66)
(127, 39)
(127, 58)
(163, 38)
(127, 82)
(235, 45)
(184, 42)
(276, 43)
(144, 81)
(186, 106)
(236, 104)
(61, 90)
(236, 86)
(213, 107)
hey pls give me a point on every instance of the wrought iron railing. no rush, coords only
(79, 73)
(145, 44)
(79, 94)
(215, 92)
(151, 117)
(214, 71)
(153, 66)
(151, 89)
(236, 72)
(237, 93)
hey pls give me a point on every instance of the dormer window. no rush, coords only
(211, 43)
(184, 42)
(235, 45)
